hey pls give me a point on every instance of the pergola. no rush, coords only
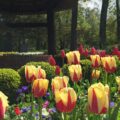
(49, 7)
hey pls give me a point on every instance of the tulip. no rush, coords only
(75, 72)
(81, 49)
(98, 98)
(95, 74)
(57, 70)
(3, 105)
(30, 73)
(62, 53)
(95, 59)
(102, 53)
(59, 82)
(118, 82)
(41, 73)
(39, 87)
(86, 53)
(65, 99)
(115, 51)
(93, 51)
(109, 64)
(52, 61)
(73, 57)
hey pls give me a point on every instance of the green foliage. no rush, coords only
(50, 70)
(10, 80)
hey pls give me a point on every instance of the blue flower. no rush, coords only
(24, 88)
(112, 104)
(19, 91)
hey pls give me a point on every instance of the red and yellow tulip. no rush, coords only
(98, 98)
(95, 59)
(73, 57)
(75, 72)
(109, 64)
(30, 73)
(40, 87)
(65, 99)
(95, 74)
(3, 105)
(59, 82)
(41, 73)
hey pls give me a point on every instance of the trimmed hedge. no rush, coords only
(10, 80)
(50, 70)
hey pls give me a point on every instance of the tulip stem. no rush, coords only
(106, 77)
(32, 104)
(66, 116)
(40, 108)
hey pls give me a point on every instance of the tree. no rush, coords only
(118, 19)
(103, 20)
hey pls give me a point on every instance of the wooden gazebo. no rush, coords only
(49, 7)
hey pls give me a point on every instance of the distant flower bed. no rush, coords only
(87, 89)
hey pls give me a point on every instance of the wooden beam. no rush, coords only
(26, 25)
(73, 44)
(51, 32)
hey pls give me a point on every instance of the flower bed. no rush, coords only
(83, 89)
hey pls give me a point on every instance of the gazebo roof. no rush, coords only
(34, 6)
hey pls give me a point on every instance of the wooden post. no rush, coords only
(51, 32)
(73, 44)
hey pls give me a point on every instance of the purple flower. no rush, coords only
(46, 103)
(112, 104)
(52, 110)
(47, 94)
(19, 91)
(24, 88)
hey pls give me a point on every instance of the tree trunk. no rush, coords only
(103, 20)
(118, 19)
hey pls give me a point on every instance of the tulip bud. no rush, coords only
(115, 51)
(75, 72)
(3, 105)
(40, 87)
(95, 59)
(65, 99)
(62, 53)
(86, 53)
(102, 53)
(57, 70)
(109, 64)
(52, 61)
(93, 51)
(95, 74)
(30, 73)
(98, 98)
(59, 83)
(81, 49)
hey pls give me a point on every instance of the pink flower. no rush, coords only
(62, 53)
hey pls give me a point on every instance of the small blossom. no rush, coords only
(17, 110)
(52, 61)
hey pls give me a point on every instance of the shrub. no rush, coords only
(10, 80)
(50, 70)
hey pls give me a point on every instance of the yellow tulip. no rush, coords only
(109, 64)
(65, 99)
(3, 104)
(75, 72)
(95, 59)
(30, 73)
(39, 87)
(98, 98)
(95, 74)
(73, 57)
(59, 83)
